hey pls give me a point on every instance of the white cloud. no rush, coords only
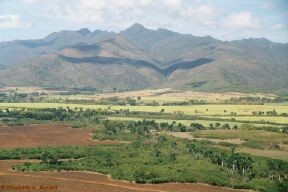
(220, 19)
(278, 27)
(125, 4)
(37, 1)
(242, 20)
(31, 1)
(12, 22)
(81, 11)
(205, 14)
(267, 5)
(45, 1)
(153, 13)
(148, 12)
(104, 12)
(175, 4)
(91, 4)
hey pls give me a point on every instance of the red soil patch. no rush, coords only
(90, 182)
(45, 135)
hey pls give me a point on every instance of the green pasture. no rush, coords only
(246, 135)
(258, 142)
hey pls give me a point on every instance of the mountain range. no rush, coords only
(139, 58)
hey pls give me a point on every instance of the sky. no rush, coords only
(221, 19)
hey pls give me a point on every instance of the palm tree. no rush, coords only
(224, 158)
(172, 156)
(232, 162)
(108, 160)
(157, 153)
(276, 167)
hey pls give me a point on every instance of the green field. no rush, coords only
(186, 109)
(246, 135)
(257, 142)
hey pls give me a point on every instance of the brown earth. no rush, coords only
(45, 135)
(88, 182)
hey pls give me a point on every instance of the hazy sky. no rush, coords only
(222, 19)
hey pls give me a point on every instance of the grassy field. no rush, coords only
(264, 153)
(187, 109)
(270, 153)
(267, 119)
(247, 135)
(258, 142)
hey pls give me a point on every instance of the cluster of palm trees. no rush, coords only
(235, 162)
(143, 128)
(57, 114)
(113, 127)
(276, 168)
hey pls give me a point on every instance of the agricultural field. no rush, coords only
(164, 95)
(45, 135)
(246, 135)
(145, 141)
(187, 109)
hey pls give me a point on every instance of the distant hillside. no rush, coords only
(140, 58)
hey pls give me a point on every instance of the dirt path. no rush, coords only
(89, 182)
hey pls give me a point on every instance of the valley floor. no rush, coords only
(182, 139)
(62, 134)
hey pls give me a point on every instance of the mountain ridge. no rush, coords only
(151, 58)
